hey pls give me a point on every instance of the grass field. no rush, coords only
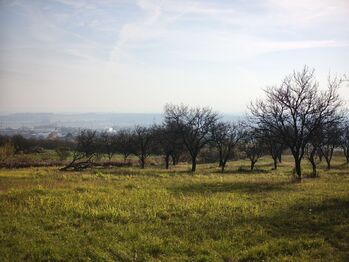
(128, 214)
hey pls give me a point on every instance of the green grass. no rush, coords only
(128, 214)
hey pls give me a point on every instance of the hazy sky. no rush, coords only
(135, 56)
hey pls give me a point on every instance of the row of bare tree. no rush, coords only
(294, 116)
(303, 118)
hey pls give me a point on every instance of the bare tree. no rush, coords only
(275, 149)
(176, 144)
(282, 148)
(253, 147)
(194, 124)
(226, 137)
(168, 142)
(272, 143)
(108, 144)
(176, 155)
(344, 141)
(295, 110)
(330, 140)
(85, 151)
(142, 138)
(312, 150)
(124, 143)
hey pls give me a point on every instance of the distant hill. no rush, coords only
(84, 120)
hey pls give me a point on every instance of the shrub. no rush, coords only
(63, 153)
(6, 151)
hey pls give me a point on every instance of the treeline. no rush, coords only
(18, 144)
(295, 116)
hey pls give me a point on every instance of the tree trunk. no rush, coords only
(173, 160)
(313, 162)
(280, 157)
(330, 157)
(320, 155)
(223, 166)
(193, 164)
(275, 163)
(314, 167)
(327, 154)
(167, 160)
(79, 163)
(328, 161)
(142, 159)
(298, 168)
(220, 159)
(252, 164)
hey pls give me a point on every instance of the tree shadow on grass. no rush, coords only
(340, 166)
(300, 215)
(145, 172)
(244, 170)
(243, 187)
(285, 230)
(317, 229)
(327, 220)
(267, 164)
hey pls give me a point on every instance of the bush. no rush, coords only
(63, 153)
(6, 151)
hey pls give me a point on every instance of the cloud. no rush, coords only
(118, 52)
(138, 30)
(228, 31)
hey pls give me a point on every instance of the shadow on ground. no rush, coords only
(327, 220)
(244, 170)
(244, 187)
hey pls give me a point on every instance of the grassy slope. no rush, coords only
(128, 214)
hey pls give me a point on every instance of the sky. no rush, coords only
(136, 56)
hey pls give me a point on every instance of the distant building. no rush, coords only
(53, 135)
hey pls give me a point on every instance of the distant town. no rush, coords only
(64, 125)
(67, 125)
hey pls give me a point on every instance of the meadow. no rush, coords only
(129, 214)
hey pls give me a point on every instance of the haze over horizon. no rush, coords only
(136, 56)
